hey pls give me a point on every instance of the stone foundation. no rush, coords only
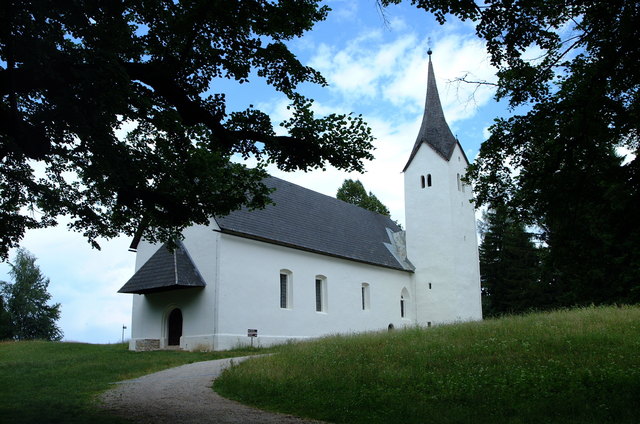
(147, 344)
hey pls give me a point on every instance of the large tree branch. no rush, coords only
(34, 144)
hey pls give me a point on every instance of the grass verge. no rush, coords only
(47, 382)
(576, 366)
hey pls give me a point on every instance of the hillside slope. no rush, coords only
(573, 366)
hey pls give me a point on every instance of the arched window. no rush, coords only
(458, 181)
(321, 293)
(365, 296)
(428, 180)
(404, 303)
(421, 181)
(286, 289)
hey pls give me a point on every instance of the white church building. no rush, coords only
(311, 265)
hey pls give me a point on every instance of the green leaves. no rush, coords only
(353, 192)
(25, 311)
(117, 103)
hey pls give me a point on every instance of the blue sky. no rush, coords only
(374, 68)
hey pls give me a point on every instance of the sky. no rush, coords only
(376, 66)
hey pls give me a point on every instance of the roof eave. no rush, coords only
(306, 249)
(158, 289)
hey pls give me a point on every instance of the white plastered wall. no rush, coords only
(441, 239)
(249, 294)
(150, 311)
(243, 292)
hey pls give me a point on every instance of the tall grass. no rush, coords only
(578, 366)
(47, 382)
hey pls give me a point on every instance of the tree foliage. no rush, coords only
(353, 192)
(557, 165)
(5, 321)
(75, 74)
(510, 270)
(28, 315)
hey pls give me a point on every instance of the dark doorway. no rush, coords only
(175, 327)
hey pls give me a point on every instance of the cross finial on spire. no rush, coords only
(429, 47)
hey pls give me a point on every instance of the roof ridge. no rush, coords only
(333, 198)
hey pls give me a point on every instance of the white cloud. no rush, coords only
(84, 281)
(343, 10)
(396, 71)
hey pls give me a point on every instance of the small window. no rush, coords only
(321, 293)
(404, 303)
(429, 286)
(365, 296)
(421, 181)
(458, 181)
(286, 289)
(428, 180)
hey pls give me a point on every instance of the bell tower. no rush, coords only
(440, 221)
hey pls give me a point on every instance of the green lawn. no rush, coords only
(46, 382)
(577, 366)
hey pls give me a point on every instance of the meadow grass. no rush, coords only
(53, 382)
(572, 366)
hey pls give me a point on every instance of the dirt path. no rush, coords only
(184, 395)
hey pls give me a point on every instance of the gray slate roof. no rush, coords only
(165, 270)
(307, 220)
(434, 130)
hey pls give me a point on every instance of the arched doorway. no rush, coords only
(174, 325)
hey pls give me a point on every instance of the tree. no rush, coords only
(557, 165)
(353, 192)
(5, 321)
(26, 300)
(73, 74)
(510, 269)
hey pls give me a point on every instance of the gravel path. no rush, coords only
(184, 395)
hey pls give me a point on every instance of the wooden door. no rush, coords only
(175, 327)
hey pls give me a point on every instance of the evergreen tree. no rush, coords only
(5, 321)
(26, 299)
(353, 192)
(509, 266)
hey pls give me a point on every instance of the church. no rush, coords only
(311, 265)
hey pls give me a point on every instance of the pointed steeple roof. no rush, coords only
(434, 130)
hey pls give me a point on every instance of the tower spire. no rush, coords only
(434, 130)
